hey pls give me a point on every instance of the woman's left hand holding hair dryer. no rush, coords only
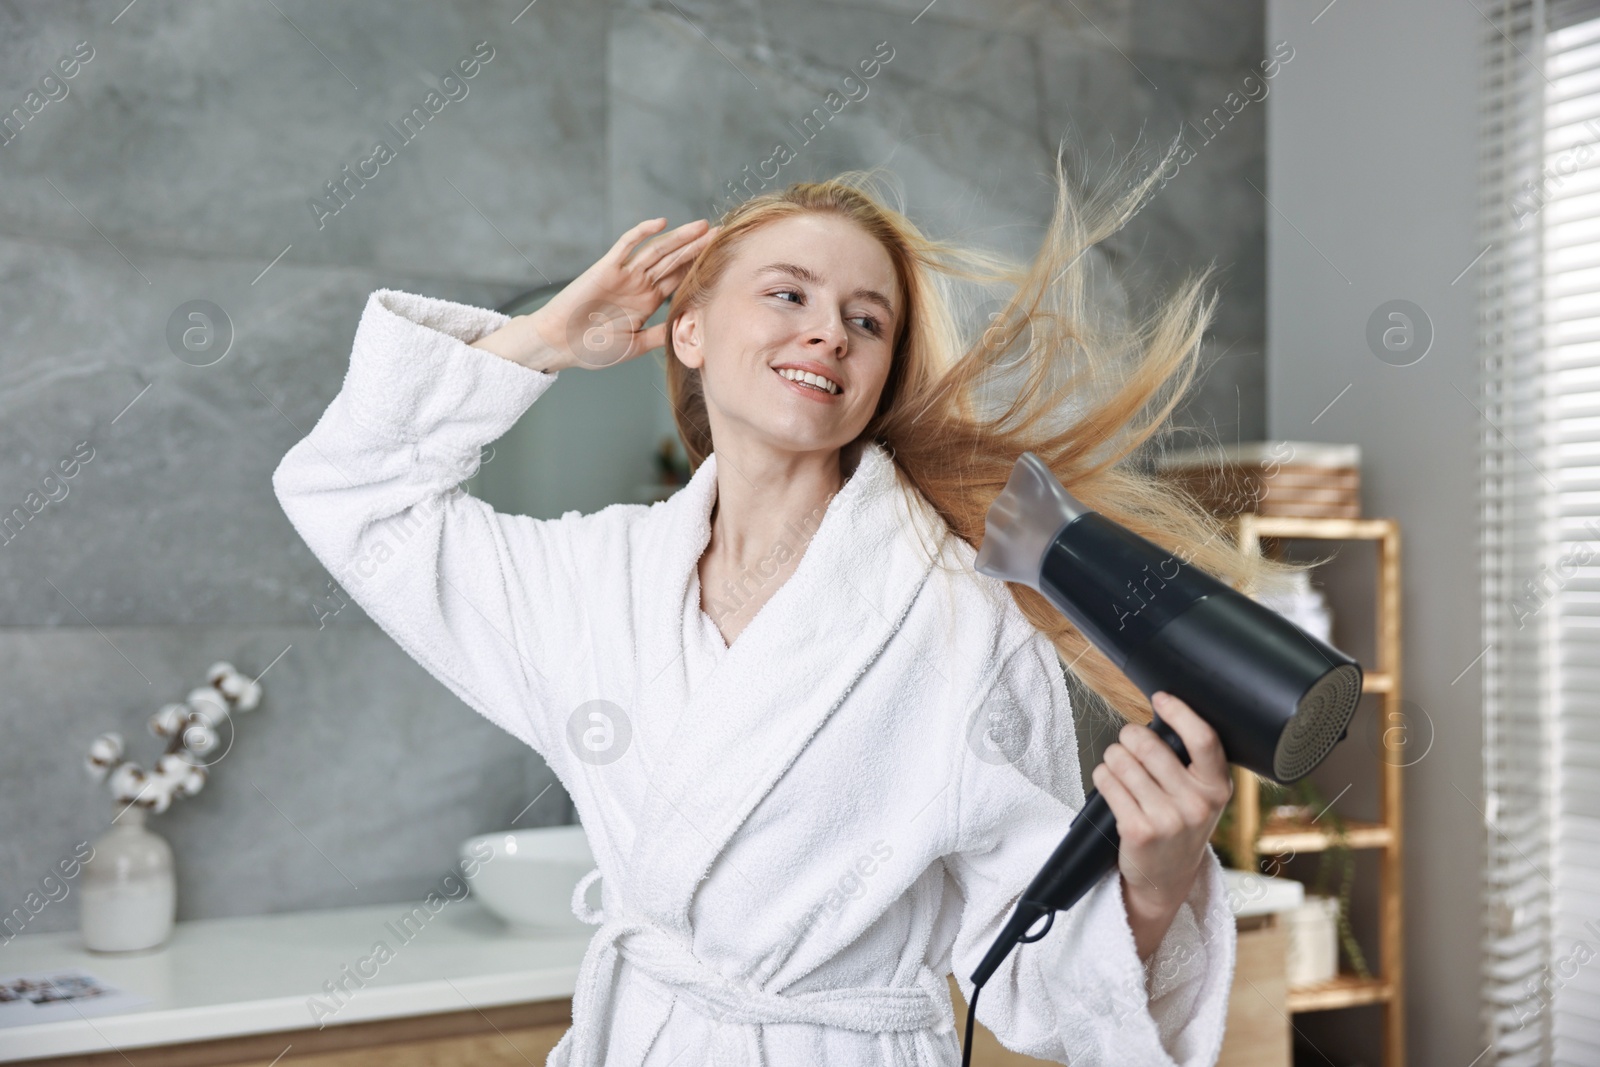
(1165, 811)
(595, 321)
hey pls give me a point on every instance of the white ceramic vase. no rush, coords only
(129, 894)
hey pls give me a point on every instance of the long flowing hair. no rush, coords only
(977, 379)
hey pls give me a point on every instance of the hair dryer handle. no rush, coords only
(1091, 845)
(1085, 854)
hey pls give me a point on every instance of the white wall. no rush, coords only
(1372, 169)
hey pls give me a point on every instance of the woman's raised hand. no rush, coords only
(596, 320)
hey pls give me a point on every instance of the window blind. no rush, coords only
(1539, 340)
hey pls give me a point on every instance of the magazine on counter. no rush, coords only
(52, 996)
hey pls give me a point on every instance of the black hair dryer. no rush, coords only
(1278, 698)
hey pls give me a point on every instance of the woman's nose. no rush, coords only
(830, 334)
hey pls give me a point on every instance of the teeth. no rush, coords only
(809, 379)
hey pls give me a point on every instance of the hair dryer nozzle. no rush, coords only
(1023, 521)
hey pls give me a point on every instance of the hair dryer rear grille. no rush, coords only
(1318, 723)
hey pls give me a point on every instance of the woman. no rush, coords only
(817, 755)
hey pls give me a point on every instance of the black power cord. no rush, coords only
(972, 1012)
(977, 986)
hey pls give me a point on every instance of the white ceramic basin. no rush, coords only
(526, 877)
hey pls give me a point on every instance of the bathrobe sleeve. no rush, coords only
(477, 597)
(1081, 995)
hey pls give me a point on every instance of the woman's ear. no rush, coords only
(686, 339)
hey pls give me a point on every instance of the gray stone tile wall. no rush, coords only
(180, 165)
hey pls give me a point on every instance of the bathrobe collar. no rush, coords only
(784, 675)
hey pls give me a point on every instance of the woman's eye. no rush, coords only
(872, 324)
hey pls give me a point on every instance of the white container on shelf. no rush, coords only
(128, 898)
(1313, 930)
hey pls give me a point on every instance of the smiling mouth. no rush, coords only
(806, 380)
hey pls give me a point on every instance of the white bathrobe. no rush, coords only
(797, 837)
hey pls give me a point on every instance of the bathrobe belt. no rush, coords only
(735, 1009)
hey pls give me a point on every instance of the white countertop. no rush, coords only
(218, 978)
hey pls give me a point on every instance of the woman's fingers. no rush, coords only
(1192, 799)
(1162, 763)
(648, 260)
(1124, 805)
(1206, 757)
(618, 252)
(646, 340)
(1137, 780)
(597, 319)
(1131, 823)
(1170, 796)
(670, 272)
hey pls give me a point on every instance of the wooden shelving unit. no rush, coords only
(1382, 678)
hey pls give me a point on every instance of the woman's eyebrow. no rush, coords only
(806, 274)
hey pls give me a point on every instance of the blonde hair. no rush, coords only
(1095, 388)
